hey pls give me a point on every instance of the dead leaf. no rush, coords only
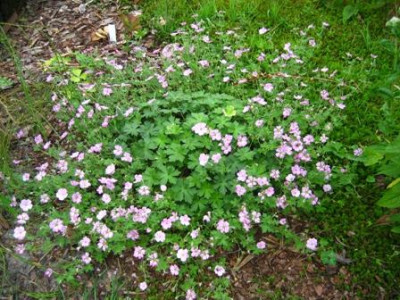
(100, 34)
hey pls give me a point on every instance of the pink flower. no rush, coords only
(219, 270)
(312, 43)
(76, 197)
(268, 87)
(183, 254)
(200, 129)
(261, 245)
(19, 233)
(106, 198)
(62, 194)
(240, 190)
(204, 63)
(110, 170)
(107, 91)
(259, 123)
(216, 158)
(48, 272)
(185, 220)
(203, 159)
(159, 236)
(84, 242)
(263, 30)
(174, 269)
(139, 252)
(187, 72)
(25, 204)
(25, 177)
(312, 244)
(190, 295)
(133, 235)
(223, 226)
(38, 139)
(86, 259)
(144, 190)
(242, 141)
(358, 152)
(143, 286)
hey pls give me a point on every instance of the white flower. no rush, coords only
(219, 270)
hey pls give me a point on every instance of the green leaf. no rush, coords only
(391, 198)
(395, 218)
(396, 229)
(348, 12)
(229, 111)
(371, 156)
(131, 129)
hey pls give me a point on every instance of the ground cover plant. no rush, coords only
(185, 152)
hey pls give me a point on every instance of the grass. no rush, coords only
(349, 221)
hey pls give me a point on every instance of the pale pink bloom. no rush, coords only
(26, 205)
(138, 178)
(144, 190)
(38, 139)
(159, 236)
(241, 175)
(200, 129)
(204, 63)
(163, 188)
(358, 152)
(242, 141)
(48, 272)
(327, 188)
(312, 244)
(76, 197)
(110, 170)
(283, 221)
(22, 218)
(216, 158)
(19, 233)
(107, 91)
(185, 220)
(295, 192)
(261, 245)
(44, 198)
(206, 39)
(312, 43)
(259, 123)
(84, 184)
(133, 235)
(20, 248)
(223, 226)
(263, 30)
(25, 176)
(62, 194)
(143, 286)
(219, 270)
(174, 270)
(84, 242)
(187, 72)
(190, 295)
(86, 259)
(127, 157)
(139, 252)
(118, 150)
(203, 159)
(268, 87)
(183, 254)
(240, 190)
(106, 198)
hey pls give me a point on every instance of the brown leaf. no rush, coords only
(100, 34)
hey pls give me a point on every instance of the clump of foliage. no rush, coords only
(185, 152)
